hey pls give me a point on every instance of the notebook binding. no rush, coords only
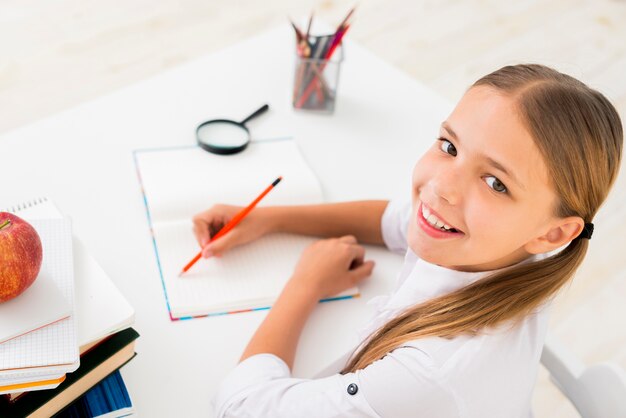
(25, 205)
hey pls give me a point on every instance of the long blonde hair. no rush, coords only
(579, 134)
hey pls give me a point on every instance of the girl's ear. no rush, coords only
(560, 233)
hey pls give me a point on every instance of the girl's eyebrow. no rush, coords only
(490, 160)
(500, 167)
(447, 127)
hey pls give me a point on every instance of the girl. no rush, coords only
(498, 221)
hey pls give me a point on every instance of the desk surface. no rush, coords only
(82, 159)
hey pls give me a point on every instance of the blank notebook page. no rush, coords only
(55, 344)
(180, 182)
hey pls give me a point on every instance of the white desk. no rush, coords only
(82, 159)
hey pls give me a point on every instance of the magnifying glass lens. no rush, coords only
(222, 135)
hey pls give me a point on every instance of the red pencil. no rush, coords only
(233, 222)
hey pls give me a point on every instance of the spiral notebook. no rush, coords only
(53, 346)
(177, 183)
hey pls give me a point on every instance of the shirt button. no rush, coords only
(352, 389)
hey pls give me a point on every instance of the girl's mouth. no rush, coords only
(433, 226)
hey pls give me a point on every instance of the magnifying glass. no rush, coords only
(224, 136)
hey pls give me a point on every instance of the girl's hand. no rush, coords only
(208, 223)
(330, 266)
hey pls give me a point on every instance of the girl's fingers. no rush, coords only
(215, 227)
(348, 239)
(358, 255)
(201, 231)
(206, 225)
(223, 244)
(362, 271)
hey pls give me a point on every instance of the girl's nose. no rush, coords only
(447, 185)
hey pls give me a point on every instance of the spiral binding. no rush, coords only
(25, 205)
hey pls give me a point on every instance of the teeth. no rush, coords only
(433, 220)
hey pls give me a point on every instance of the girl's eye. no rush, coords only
(447, 147)
(496, 184)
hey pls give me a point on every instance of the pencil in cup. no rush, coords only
(232, 223)
(318, 74)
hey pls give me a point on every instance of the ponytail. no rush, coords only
(508, 295)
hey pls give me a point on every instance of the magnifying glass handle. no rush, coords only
(259, 111)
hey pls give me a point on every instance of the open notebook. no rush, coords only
(179, 182)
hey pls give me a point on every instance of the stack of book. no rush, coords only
(74, 328)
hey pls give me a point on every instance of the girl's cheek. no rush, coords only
(418, 180)
(412, 235)
(414, 180)
(480, 220)
(427, 163)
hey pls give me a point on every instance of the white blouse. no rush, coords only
(488, 375)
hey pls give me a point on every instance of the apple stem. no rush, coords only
(5, 224)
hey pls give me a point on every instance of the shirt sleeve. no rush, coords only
(400, 385)
(395, 224)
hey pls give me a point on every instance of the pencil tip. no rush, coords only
(181, 273)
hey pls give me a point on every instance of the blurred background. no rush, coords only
(57, 55)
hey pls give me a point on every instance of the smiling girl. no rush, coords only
(499, 219)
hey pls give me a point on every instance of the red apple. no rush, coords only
(20, 256)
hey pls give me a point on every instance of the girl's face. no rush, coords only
(485, 178)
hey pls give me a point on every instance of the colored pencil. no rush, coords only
(233, 222)
(345, 19)
(308, 28)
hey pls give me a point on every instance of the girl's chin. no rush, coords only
(431, 255)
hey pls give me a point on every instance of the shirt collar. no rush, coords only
(420, 280)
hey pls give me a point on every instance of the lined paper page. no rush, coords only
(55, 344)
